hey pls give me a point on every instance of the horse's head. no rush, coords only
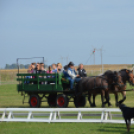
(113, 77)
(130, 77)
(117, 79)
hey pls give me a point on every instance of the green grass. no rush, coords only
(9, 97)
(63, 128)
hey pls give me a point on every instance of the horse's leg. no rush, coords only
(116, 100)
(102, 97)
(89, 99)
(107, 97)
(108, 100)
(94, 105)
(124, 97)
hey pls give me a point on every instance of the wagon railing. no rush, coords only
(54, 78)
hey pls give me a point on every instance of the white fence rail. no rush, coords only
(100, 115)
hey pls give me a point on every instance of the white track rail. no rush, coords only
(100, 115)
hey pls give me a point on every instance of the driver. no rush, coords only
(72, 75)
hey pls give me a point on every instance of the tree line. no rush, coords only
(21, 66)
(14, 66)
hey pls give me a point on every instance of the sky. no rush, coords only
(71, 28)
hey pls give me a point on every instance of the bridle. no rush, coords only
(128, 79)
(115, 79)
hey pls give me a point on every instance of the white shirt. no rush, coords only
(72, 74)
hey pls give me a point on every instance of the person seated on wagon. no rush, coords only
(42, 69)
(81, 71)
(49, 71)
(38, 68)
(33, 70)
(54, 67)
(72, 75)
(33, 67)
(59, 68)
(65, 71)
(29, 72)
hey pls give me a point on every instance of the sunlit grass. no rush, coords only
(9, 97)
(63, 128)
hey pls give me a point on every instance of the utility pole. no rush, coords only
(93, 53)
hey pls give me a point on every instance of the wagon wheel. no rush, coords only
(62, 101)
(34, 101)
(80, 101)
(52, 100)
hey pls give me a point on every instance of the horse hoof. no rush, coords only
(93, 105)
(105, 102)
(110, 105)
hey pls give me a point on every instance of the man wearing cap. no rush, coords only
(72, 75)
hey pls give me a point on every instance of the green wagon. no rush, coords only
(53, 87)
(57, 92)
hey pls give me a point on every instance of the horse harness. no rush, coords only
(102, 86)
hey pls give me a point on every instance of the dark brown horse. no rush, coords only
(127, 76)
(93, 85)
(113, 80)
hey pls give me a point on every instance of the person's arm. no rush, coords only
(84, 72)
(76, 71)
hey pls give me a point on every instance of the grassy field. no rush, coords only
(108, 67)
(9, 97)
(8, 76)
(63, 128)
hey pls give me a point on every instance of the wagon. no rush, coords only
(54, 89)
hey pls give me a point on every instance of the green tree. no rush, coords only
(7, 66)
(22, 66)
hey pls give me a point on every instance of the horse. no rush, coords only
(127, 76)
(113, 79)
(97, 85)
